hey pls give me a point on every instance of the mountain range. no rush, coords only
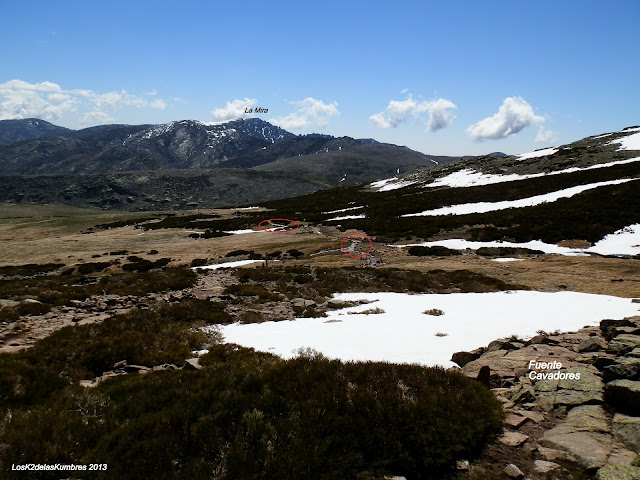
(216, 164)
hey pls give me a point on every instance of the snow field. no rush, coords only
(404, 334)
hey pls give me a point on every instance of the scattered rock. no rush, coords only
(462, 358)
(607, 326)
(634, 353)
(625, 368)
(536, 417)
(165, 366)
(515, 420)
(626, 430)
(484, 376)
(542, 340)
(592, 344)
(192, 364)
(584, 434)
(501, 344)
(542, 466)
(618, 472)
(624, 343)
(552, 454)
(136, 369)
(601, 361)
(526, 394)
(120, 364)
(513, 439)
(462, 465)
(302, 302)
(624, 395)
(512, 471)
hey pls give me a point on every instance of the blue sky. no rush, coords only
(442, 77)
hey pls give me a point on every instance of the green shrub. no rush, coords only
(249, 415)
(193, 309)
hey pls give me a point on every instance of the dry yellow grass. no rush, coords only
(53, 234)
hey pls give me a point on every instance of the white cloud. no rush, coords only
(513, 115)
(152, 93)
(233, 109)
(310, 112)
(96, 118)
(439, 114)
(47, 100)
(158, 104)
(399, 111)
(545, 136)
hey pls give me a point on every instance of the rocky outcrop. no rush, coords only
(624, 395)
(569, 398)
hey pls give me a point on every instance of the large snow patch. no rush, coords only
(404, 334)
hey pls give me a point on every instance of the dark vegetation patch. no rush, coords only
(86, 268)
(588, 216)
(295, 253)
(506, 251)
(249, 415)
(250, 254)
(199, 262)
(194, 309)
(29, 269)
(320, 283)
(144, 265)
(165, 334)
(13, 314)
(253, 290)
(420, 251)
(60, 290)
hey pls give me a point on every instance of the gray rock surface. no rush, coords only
(624, 343)
(618, 472)
(624, 395)
(542, 466)
(626, 430)
(584, 434)
(512, 471)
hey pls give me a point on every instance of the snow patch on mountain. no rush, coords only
(625, 241)
(343, 210)
(391, 184)
(630, 142)
(346, 217)
(538, 153)
(460, 244)
(483, 207)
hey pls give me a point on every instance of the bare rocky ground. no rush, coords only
(564, 428)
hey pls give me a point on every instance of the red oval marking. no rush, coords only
(278, 231)
(356, 256)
